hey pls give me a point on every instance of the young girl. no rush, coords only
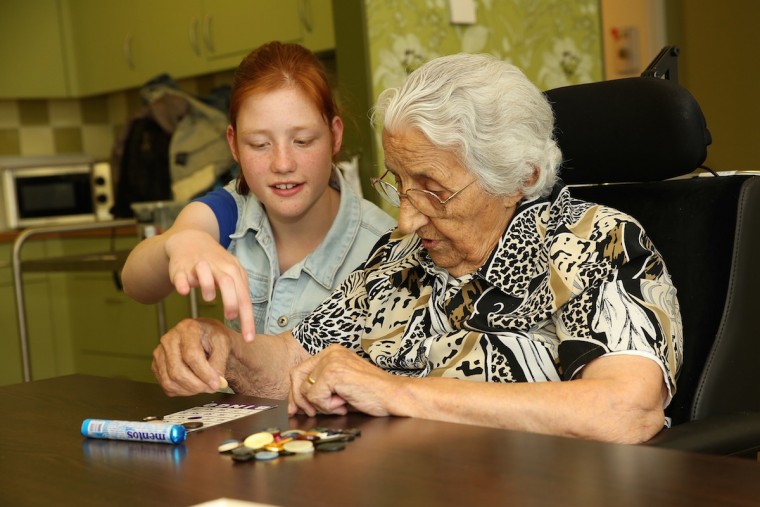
(278, 240)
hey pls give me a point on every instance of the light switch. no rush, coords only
(462, 12)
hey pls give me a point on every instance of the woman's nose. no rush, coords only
(409, 218)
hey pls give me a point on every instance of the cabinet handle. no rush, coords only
(126, 49)
(192, 34)
(207, 33)
(304, 12)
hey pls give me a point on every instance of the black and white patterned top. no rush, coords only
(569, 281)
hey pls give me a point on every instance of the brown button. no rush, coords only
(282, 321)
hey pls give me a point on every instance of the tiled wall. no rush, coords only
(88, 125)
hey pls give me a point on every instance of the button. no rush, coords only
(258, 440)
(242, 453)
(299, 446)
(294, 443)
(330, 446)
(265, 455)
(229, 445)
(282, 321)
(291, 433)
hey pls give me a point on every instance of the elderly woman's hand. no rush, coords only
(192, 357)
(336, 380)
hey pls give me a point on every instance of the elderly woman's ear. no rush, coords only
(511, 201)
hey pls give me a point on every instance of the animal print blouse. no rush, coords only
(568, 282)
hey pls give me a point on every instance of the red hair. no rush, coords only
(277, 65)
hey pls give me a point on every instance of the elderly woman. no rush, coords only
(560, 313)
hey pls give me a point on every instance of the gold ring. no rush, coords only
(311, 380)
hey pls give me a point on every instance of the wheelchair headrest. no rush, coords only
(633, 129)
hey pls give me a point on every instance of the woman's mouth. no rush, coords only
(429, 243)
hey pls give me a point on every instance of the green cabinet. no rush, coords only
(318, 33)
(233, 27)
(58, 48)
(10, 352)
(117, 45)
(82, 322)
(111, 334)
(104, 49)
(48, 344)
(32, 58)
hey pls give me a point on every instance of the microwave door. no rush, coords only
(55, 198)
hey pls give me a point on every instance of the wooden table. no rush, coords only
(396, 462)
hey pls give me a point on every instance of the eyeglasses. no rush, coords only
(424, 200)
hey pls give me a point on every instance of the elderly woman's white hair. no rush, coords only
(486, 111)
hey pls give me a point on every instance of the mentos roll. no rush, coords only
(164, 433)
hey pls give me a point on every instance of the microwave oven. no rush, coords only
(44, 191)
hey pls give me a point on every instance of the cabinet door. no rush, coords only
(11, 371)
(32, 58)
(107, 52)
(232, 28)
(112, 335)
(123, 45)
(317, 24)
(171, 30)
(48, 347)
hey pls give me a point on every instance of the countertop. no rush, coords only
(124, 231)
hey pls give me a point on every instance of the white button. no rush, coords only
(282, 321)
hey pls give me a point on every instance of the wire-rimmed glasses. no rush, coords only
(424, 200)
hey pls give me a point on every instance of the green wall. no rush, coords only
(555, 42)
(378, 42)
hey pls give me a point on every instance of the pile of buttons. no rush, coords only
(273, 443)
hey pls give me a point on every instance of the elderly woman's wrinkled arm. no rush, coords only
(193, 356)
(616, 398)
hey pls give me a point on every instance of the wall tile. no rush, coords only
(205, 85)
(88, 125)
(65, 113)
(68, 139)
(134, 102)
(118, 108)
(223, 78)
(10, 143)
(188, 85)
(97, 140)
(37, 140)
(33, 112)
(9, 115)
(95, 109)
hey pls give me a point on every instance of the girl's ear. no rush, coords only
(336, 127)
(231, 141)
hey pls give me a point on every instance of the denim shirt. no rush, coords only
(280, 301)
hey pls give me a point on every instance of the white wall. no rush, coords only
(633, 33)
